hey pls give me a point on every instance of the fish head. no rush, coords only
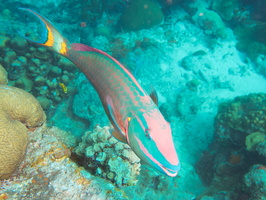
(150, 137)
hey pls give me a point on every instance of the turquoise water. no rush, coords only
(205, 60)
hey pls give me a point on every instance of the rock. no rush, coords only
(65, 79)
(225, 8)
(3, 42)
(41, 53)
(44, 102)
(52, 84)
(40, 81)
(55, 71)
(66, 64)
(24, 83)
(10, 57)
(7, 14)
(19, 44)
(22, 60)
(211, 22)
(141, 14)
(16, 70)
(103, 31)
(36, 62)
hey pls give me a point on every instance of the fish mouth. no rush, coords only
(170, 172)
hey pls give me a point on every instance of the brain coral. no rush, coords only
(3, 76)
(19, 110)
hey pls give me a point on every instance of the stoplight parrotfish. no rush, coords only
(135, 117)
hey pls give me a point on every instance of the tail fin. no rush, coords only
(52, 38)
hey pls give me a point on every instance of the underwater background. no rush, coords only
(206, 60)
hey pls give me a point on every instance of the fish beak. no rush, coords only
(154, 159)
(170, 172)
(155, 146)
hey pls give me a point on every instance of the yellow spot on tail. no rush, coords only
(50, 38)
(63, 49)
(64, 87)
(128, 119)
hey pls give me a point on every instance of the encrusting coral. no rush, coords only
(105, 156)
(19, 111)
(245, 114)
(253, 139)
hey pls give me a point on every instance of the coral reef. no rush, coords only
(36, 69)
(239, 144)
(250, 35)
(141, 14)
(47, 171)
(245, 114)
(198, 88)
(3, 42)
(225, 8)
(250, 30)
(211, 23)
(257, 9)
(260, 62)
(255, 181)
(19, 111)
(103, 155)
(254, 139)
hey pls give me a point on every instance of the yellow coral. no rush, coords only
(19, 110)
(3, 76)
(253, 139)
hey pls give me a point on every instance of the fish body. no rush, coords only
(134, 115)
(64, 87)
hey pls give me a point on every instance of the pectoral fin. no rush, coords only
(154, 96)
(118, 136)
(117, 132)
